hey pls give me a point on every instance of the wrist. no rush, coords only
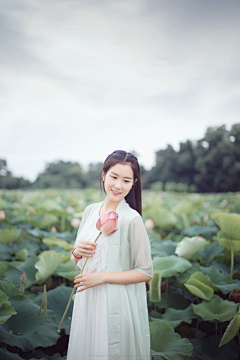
(76, 257)
(104, 277)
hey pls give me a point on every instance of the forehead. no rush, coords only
(122, 170)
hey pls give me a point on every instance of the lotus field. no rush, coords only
(193, 298)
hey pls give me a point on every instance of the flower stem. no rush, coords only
(232, 260)
(69, 302)
(35, 329)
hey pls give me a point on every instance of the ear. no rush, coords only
(103, 176)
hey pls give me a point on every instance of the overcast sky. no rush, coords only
(80, 79)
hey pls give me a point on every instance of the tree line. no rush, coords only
(211, 164)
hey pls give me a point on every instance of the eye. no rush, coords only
(114, 177)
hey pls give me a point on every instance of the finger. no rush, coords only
(92, 244)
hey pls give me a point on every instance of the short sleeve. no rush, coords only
(140, 246)
(85, 214)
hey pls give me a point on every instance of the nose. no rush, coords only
(118, 184)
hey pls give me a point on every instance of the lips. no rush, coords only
(116, 193)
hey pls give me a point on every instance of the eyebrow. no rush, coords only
(126, 177)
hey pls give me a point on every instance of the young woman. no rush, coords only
(110, 315)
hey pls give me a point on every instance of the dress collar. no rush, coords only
(121, 206)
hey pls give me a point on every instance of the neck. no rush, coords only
(111, 205)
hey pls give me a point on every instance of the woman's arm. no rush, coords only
(125, 277)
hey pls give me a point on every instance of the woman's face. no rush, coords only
(118, 181)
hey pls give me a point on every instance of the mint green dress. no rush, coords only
(127, 313)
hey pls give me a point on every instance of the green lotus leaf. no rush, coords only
(189, 246)
(47, 220)
(5, 252)
(22, 254)
(3, 267)
(67, 270)
(227, 245)
(19, 329)
(48, 263)
(155, 287)
(7, 355)
(183, 207)
(163, 248)
(210, 252)
(59, 249)
(220, 281)
(204, 231)
(170, 265)
(168, 344)
(9, 288)
(207, 349)
(50, 206)
(216, 309)
(200, 285)
(57, 300)
(161, 218)
(49, 241)
(174, 317)
(6, 309)
(31, 197)
(13, 273)
(228, 223)
(8, 236)
(31, 247)
(231, 330)
(172, 300)
(186, 275)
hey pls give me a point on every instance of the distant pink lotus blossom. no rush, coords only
(70, 209)
(58, 199)
(149, 224)
(75, 223)
(53, 230)
(227, 210)
(205, 218)
(2, 215)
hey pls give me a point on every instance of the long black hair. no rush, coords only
(134, 197)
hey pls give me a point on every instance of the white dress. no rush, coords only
(89, 330)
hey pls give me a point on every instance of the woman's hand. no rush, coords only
(88, 280)
(85, 248)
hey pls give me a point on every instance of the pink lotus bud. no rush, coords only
(53, 230)
(23, 278)
(75, 223)
(58, 199)
(205, 218)
(107, 223)
(227, 210)
(2, 215)
(149, 224)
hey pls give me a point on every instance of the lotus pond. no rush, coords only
(193, 298)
